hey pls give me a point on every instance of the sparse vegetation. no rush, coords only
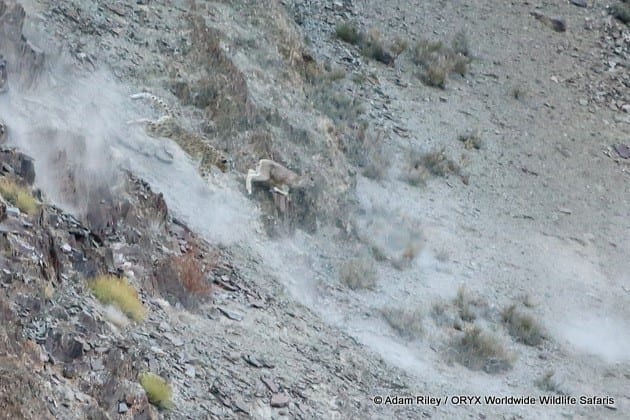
(479, 350)
(365, 149)
(439, 164)
(460, 44)
(416, 174)
(409, 254)
(621, 11)
(191, 275)
(337, 105)
(518, 93)
(464, 307)
(370, 44)
(349, 32)
(359, 273)
(112, 290)
(522, 327)
(547, 383)
(399, 45)
(18, 196)
(407, 322)
(157, 389)
(436, 61)
(376, 51)
(441, 314)
(420, 165)
(471, 139)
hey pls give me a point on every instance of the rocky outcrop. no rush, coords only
(24, 60)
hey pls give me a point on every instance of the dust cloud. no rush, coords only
(74, 123)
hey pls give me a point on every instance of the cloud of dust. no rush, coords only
(65, 121)
(606, 337)
(73, 123)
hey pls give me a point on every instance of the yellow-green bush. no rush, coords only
(18, 196)
(117, 291)
(158, 390)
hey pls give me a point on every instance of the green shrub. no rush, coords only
(349, 32)
(522, 327)
(112, 290)
(157, 389)
(478, 350)
(359, 273)
(407, 322)
(18, 196)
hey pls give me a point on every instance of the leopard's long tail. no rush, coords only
(156, 100)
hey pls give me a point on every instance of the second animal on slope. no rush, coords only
(195, 145)
(280, 178)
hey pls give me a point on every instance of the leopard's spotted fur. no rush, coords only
(197, 146)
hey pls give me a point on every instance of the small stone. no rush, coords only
(66, 248)
(583, 102)
(231, 314)
(122, 407)
(252, 360)
(69, 371)
(13, 212)
(97, 364)
(270, 384)
(279, 400)
(177, 342)
(241, 405)
(579, 3)
(190, 371)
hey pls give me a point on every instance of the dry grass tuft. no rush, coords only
(359, 273)
(437, 163)
(365, 149)
(112, 290)
(371, 44)
(464, 306)
(337, 105)
(435, 61)
(460, 44)
(19, 196)
(472, 139)
(407, 322)
(547, 383)
(157, 389)
(522, 327)
(349, 32)
(421, 165)
(517, 93)
(479, 350)
(398, 46)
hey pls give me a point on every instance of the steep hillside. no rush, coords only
(465, 231)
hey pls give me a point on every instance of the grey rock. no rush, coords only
(13, 212)
(231, 314)
(97, 364)
(190, 371)
(279, 400)
(579, 3)
(269, 383)
(122, 407)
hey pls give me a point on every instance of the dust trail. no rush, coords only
(74, 124)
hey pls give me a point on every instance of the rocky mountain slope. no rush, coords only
(467, 233)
